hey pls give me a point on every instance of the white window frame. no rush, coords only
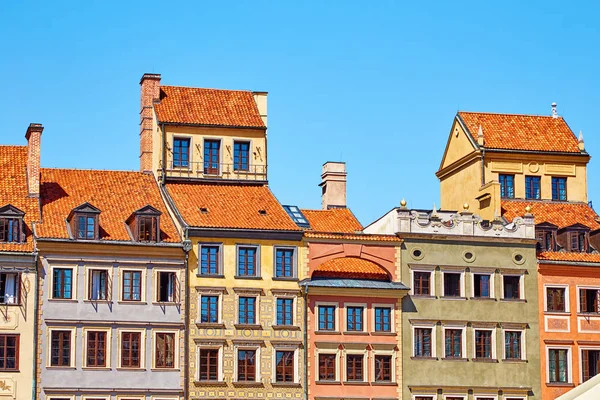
(258, 260)
(569, 361)
(521, 286)
(96, 397)
(584, 287)
(202, 346)
(277, 348)
(155, 282)
(510, 397)
(337, 363)
(177, 349)
(336, 315)
(431, 396)
(57, 397)
(523, 342)
(580, 350)
(567, 300)
(431, 272)
(450, 395)
(143, 284)
(221, 268)
(218, 294)
(256, 297)
(110, 284)
(392, 308)
(491, 274)
(294, 262)
(365, 319)
(74, 281)
(72, 345)
(257, 373)
(463, 339)
(294, 305)
(108, 346)
(378, 352)
(480, 396)
(493, 344)
(462, 283)
(431, 326)
(366, 374)
(142, 333)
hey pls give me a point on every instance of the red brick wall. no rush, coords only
(150, 89)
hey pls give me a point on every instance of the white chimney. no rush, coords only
(554, 112)
(333, 185)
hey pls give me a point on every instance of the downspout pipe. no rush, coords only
(35, 327)
(482, 166)
(187, 246)
(164, 154)
(305, 342)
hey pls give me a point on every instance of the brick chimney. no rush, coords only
(260, 98)
(150, 90)
(34, 139)
(333, 185)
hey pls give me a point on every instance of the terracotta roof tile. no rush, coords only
(333, 220)
(13, 190)
(116, 193)
(569, 256)
(556, 213)
(521, 132)
(352, 236)
(230, 206)
(350, 268)
(208, 107)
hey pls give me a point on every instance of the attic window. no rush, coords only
(546, 240)
(144, 224)
(262, 212)
(578, 241)
(84, 222)
(204, 210)
(11, 224)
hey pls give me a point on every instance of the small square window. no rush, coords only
(555, 299)
(11, 230)
(512, 287)
(10, 288)
(422, 283)
(589, 300)
(452, 284)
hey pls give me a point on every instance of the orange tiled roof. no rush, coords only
(230, 206)
(116, 193)
(556, 213)
(333, 220)
(13, 190)
(568, 256)
(521, 132)
(350, 268)
(352, 236)
(208, 107)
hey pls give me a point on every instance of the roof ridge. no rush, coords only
(14, 145)
(95, 170)
(201, 88)
(512, 114)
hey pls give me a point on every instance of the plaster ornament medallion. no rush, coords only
(534, 167)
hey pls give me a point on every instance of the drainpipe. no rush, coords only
(482, 167)
(35, 329)
(164, 154)
(187, 246)
(306, 343)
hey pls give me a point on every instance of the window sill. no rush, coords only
(514, 300)
(248, 384)
(513, 360)
(65, 300)
(286, 384)
(423, 296)
(136, 302)
(356, 383)
(98, 301)
(210, 325)
(165, 303)
(10, 370)
(248, 326)
(363, 333)
(424, 358)
(484, 360)
(557, 313)
(97, 368)
(285, 279)
(482, 298)
(210, 383)
(256, 278)
(328, 382)
(587, 314)
(460, 359)
(453, 298)
(215, 276)
(164, 369)
(384, 383)
(560, 384)
(327, 332)
(10, 304)
(383, 333)
(60, 367)
(131, 369)
(286, 327)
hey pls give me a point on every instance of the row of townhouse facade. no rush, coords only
(189, 279)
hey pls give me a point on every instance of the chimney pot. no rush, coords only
(333, 185)
(554, 111)
(34, 139)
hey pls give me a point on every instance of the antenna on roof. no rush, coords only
(554, 112)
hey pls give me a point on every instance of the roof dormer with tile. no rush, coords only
(490, 157)
(202, 134)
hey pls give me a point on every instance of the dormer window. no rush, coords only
(545, 233)
(144, 224)
(11, 224)
(83, 221)
(578, 242)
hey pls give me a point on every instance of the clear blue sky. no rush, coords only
(375, 85)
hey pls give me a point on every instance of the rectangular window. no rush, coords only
(60, 348)
(482, 285)
(507, 186)
(241, 159)
(62, 283)
(209, 309)
(545, 240)
(559, 189)
(132, 285)
(167, 287)
(208, 365)
(247, 310)
(555, 299)
(246, 366)
(421, 283)
(10, 285)
(285, 311)
(130, 349)
(181, 153)
(10, 230)
(98, 285)
(383, 319)
(212, 157)
(284, 366)
(512, 345)
(86, 227)
(247, 262)
(147, 227)
(284, 263)
(578, 242)
(512, 287)
(9, 352)
(558, 365)
(452, 284)
(354, 320)
(483, 344)
(164, 355)
(354, 367)
(383, 368)
(327, 367)
(326, 318)
(423, 342)
(453, 343)
(590, 363)
(532, 187)
(96, 349)
(588, 300)
(210, 260)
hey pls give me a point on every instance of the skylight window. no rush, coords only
(297, 216)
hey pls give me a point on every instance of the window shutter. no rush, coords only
(583, 300)
(108, 286)
(585, 365)
(22, 293)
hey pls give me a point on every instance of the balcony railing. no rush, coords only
(217, 171)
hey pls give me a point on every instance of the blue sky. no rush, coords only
(375, 85)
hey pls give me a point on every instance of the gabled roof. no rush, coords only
(332, 220)
(350, 268)
(10, 210)
(229, 206)
(14, 191)
(521, 132)
(561, 214)
(211, 107)
(117, 194)
(84, 208)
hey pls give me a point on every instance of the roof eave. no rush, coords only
(171, 123)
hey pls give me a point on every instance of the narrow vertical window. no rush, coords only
(284, 366)
(483, 344)
(559, 189)
(247, 310)
(165, 350)
(130, 349)
(383, 319)
(60, 348)
(62, 282)
(512, 345)
(532, 187)
(545, 240)
(481, 285)
(98, 285)
(285, 311)
(246, 366)
(147, 227)
(209, 260)
(452, 284)
(422, 341)
(86, 227)
(507, 186)
(167, 287)
(453, 343)
(209, 309)
(181, 153)
(284, 263)
(354, 319)
(96, 349)
(326, 318)
(209, 365)
(212, 157)
(241, 159)
(132, 285)
(512, 287)
(247, 263)
(558, 365)
(590, 363)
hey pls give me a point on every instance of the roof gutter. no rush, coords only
(210, 125)
(570, 263)
(110, 242)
